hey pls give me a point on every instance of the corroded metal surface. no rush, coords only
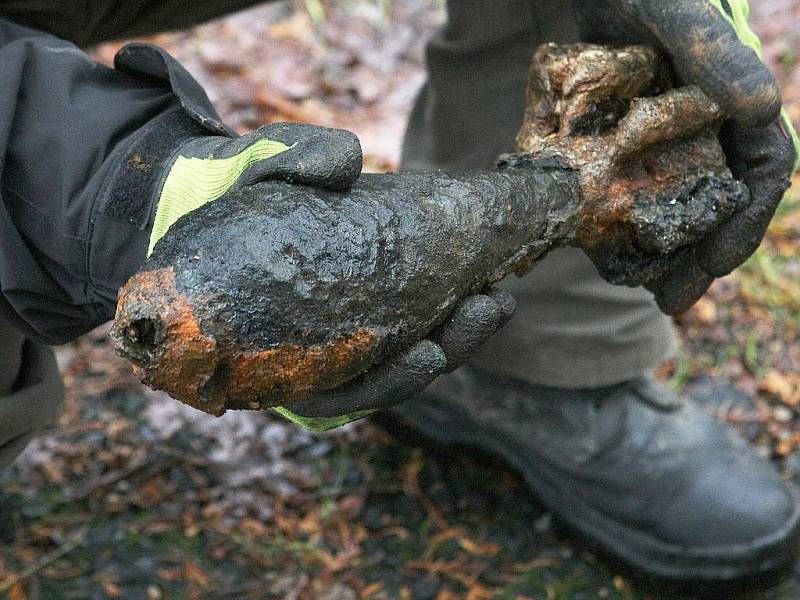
(653, 174)
(278, 291)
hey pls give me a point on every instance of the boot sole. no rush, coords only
(761, 560)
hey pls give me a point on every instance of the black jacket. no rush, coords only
(79, 143)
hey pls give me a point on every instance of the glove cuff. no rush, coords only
(122, 216)
(142, 167)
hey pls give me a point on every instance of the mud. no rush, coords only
(653, 174)
(277, 291)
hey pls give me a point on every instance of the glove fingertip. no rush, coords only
(426, 357)
(752, 101)
(496, 306)
(677, 293)
(763, 158)
(317, 156)
(505, 302)
(476, 320)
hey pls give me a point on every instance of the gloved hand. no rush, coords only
(206, 168)
(401, 378)
(711, 45)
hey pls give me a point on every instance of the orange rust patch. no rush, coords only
(176, 356)
(294, 372)
(606, 222)
(179, 358)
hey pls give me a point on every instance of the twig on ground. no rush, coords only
(47, 559)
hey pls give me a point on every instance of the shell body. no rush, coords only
(278, 291)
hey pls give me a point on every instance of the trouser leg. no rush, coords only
(11, 343)
(572, 329)
(31, 391)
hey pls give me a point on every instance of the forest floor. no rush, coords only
(137, 496)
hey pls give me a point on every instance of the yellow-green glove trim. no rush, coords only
(193, 182)
(321, 423)
(790, 129)
(740, 20)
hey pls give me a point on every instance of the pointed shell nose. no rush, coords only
(139, 329)
(156, 329)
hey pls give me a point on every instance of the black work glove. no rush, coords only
(711, 46)
(400, 378)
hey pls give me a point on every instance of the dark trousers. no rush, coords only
(31, 392)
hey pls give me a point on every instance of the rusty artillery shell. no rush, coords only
(276, 291)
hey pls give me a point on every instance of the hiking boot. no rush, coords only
(649, 479)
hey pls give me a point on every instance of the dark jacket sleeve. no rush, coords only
(80, 146)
